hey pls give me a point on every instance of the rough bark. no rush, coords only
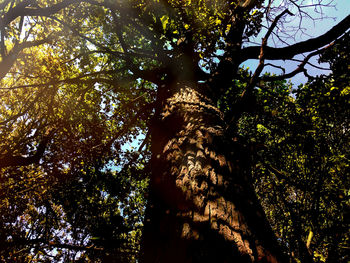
(202, 205)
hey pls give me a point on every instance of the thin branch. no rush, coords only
(255, 78)
(2, 43)
(152, 75)
(78, 79)
(52, 244)
(74, 247)
(20, 28)
(298, 48)
(4, 4)
(124, 55)
(309, 63)
(299, 69)
(9, 160)
(275, 66)
(248, 4)
(247, 93)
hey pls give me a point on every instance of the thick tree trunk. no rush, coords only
(202, 205)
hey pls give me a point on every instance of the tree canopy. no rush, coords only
(81, 85)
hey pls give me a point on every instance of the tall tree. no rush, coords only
(112, 70)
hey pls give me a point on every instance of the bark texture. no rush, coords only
(202, 206)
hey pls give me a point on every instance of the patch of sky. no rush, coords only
(132, 145)
(319, 20)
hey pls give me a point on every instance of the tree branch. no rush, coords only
(51, 244)
(298, 48)
(9, 160)
(8, 61)
(248, 4)
(247, 94)
(21, 10)
(299, 69)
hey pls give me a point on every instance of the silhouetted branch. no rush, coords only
(298, 48)
(9, 160)
(299, 69)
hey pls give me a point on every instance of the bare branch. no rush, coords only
(309, 63)
(247, 93)
(275, 66)
(298, 48)
(261, 65)
(299, 69)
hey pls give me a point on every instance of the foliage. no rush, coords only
(301, 143)
(77, 201)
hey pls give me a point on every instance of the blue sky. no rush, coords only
(313, 28)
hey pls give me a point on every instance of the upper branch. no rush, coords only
(8, 61)
(299, 69)
(22, 9)
(247, 93)
(298, 48)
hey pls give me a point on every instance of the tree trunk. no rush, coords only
(202, 205)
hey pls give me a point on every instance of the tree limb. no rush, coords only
(52, 244)
(21, 10)
(298, 48)
(8, 61)
(299, 69)
(246, 95)
(9, 160)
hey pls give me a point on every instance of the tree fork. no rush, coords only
(202, 205)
